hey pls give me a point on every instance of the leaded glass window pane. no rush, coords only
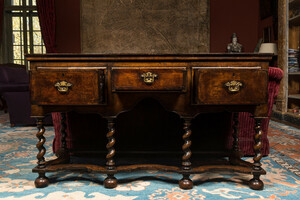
(37, 49)
(16, 2)
(18, 62)
(35, 24)
(17, 52)
(17, 38)
(24, 39)
(37, 38)
(28, 40)
(17, 24)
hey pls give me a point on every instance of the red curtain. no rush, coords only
(46, 13)
(1, 17)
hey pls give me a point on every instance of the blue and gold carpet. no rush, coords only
(17, 158)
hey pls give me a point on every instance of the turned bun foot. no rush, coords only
(256, 184)
(110, 182)
(41, 182)
(186, 184)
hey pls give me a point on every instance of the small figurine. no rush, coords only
(234, 46)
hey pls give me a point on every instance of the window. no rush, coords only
(23, 34)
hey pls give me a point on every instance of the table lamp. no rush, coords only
(268, 48)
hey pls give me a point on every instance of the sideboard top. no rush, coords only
(149, 57)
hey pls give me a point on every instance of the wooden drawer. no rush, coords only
(84, 87)
(148, 79)
(225, 86)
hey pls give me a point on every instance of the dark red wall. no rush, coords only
(227, 17)
(68, 26)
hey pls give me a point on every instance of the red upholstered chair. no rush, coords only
(246, 122)
(88, 131)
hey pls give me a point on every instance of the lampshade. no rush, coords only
(268, 48)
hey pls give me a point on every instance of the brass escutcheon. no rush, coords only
(62, 86)
(233, 86)
(149, 77)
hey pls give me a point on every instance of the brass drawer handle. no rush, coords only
(63, 86)
(234, 86)
(149, 77)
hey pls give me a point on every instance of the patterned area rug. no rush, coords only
(17, 158)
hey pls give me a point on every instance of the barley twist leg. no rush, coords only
(42, 180)
(110, 181)
(255, 183)
(186, 182)
(236, 154)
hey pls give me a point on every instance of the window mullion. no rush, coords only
(8, 38)
(31, 32)
(24, 14)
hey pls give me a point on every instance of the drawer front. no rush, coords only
(230, 86)
(67, 87)
(148, 79)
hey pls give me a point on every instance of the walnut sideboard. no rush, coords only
(187, 84)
